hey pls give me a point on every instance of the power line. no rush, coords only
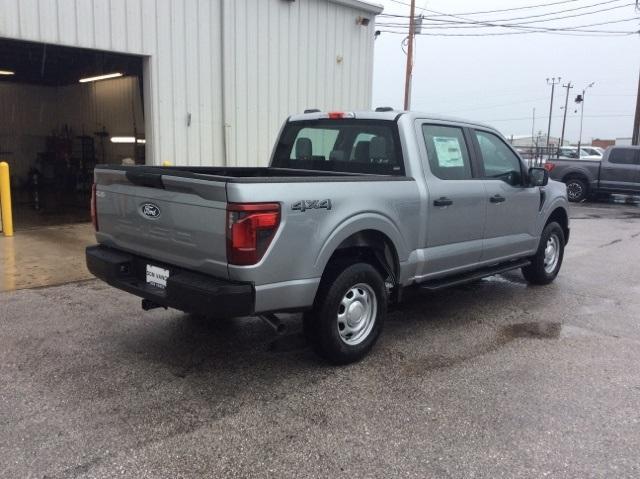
(493, 24)
(435, 17)
(499, 105)
(492, 34)
(543, 5)
(466, 23)
(558, 116)
(527, 29)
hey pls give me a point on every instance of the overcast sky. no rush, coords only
(500, 79)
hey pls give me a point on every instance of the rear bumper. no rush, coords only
(186, 290)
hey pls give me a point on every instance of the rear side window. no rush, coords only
(624, 156)
(447, 152)
(341, 145)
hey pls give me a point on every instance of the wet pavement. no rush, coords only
(44, 256)
(491, 379)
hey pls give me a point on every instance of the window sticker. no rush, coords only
(449, 152)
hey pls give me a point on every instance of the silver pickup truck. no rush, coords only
(355, 209)
(617, 172)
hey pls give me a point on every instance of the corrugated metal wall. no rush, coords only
(282, 57)
(279, 57)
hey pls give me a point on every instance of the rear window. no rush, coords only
(351, 146)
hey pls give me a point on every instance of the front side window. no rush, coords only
(447, 152)
(499, 161)
(624, 156)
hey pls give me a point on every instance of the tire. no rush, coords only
(335, 335)
(546, 263)
(577, 189)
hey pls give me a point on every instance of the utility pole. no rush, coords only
(568, 86)
(580, 99)
(407, 79)
(635, 138)
(553, 84)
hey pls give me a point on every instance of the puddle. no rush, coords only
(536, 330)
(625, 200)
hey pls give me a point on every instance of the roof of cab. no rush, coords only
(390, 115)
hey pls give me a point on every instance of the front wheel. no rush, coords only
(545, 264)
(348, 315)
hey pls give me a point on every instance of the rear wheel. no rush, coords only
(577, 189)
(547, 261)
(348, 315)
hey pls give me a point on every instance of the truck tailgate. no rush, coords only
(171, 219)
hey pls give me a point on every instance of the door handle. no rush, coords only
(497, 199)
(442, 201)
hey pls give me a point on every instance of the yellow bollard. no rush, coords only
(5, 199)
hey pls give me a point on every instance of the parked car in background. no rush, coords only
(617, 172)
(571, 152)
(594, 151)
(354, 209)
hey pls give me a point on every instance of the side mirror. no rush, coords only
(538, 177)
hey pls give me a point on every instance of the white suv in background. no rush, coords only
(571, 153)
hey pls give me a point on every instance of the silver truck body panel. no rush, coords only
(429, 241)
(189, 232)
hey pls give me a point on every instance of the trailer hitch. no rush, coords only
(147, 304)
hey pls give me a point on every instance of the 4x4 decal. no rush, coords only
(304, 205)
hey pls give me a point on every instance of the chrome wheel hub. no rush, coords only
(357, 313)
(551, 253)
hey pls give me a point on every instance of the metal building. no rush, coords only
(218, 76)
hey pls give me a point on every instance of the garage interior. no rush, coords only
(62, 111)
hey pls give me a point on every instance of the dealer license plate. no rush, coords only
(157, 276)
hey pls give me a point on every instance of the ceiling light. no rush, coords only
(7, 72)
(123, 139)
(100, 77)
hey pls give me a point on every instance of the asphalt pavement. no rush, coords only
(492, 379)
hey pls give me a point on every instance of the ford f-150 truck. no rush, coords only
(354, 209)
(617, 172)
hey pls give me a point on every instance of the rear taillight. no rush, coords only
(250, 229)
(549, 166)
(94, 211)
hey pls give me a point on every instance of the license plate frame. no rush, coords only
(157, 276)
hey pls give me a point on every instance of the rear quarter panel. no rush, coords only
(306, 239)
(565, 168)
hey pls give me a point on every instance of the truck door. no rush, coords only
(456, 208)
(512, 206)
(620, 170)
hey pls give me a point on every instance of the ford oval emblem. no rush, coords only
(150, 210)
